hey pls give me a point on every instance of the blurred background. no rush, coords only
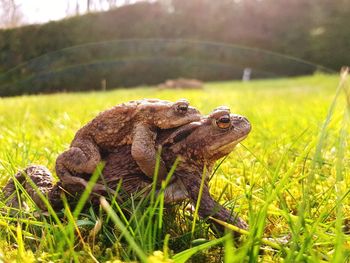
(61, 45)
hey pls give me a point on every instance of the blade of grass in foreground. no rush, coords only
(339, 252)
(47, 204)
(13, 228)
(147, 216)
(21, 249)
(185, 255)
(195, 215)
(317, 159)
(68, 238)
(84, 197)
(264, 241)
(105, 205)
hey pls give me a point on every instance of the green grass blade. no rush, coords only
(133, 245)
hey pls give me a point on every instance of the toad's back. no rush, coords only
(112, 127)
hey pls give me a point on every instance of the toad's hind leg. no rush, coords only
(82, 157)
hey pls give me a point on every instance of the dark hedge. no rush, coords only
(128, 46)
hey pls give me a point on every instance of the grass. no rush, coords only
(289, 177)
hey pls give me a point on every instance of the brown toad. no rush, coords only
(134, 123)
(198, 145)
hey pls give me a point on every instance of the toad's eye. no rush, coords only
(182, 108)
(224, 122)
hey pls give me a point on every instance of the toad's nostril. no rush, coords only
(239, 118)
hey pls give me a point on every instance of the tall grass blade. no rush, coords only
(198, 203)
(185, 255)
(133, 245)
(85, 195)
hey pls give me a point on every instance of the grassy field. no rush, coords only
(290, 177)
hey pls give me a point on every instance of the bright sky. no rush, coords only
(38, 11)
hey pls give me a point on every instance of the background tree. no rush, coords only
(10, 14)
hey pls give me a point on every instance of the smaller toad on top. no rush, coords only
(135, 123)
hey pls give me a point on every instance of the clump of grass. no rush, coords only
(288, 179)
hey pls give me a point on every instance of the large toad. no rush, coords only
(134, 123)
(198, 145)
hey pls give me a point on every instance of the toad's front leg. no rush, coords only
(143, 151)
(208, 206)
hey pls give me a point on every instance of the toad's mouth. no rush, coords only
(228, 147)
